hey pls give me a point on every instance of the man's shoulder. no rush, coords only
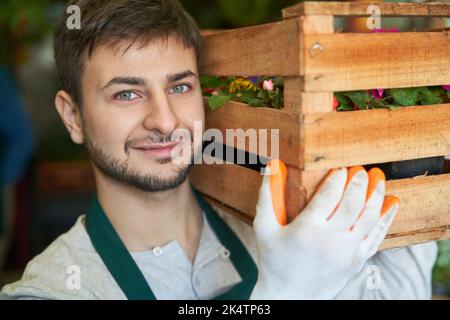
(53, 273)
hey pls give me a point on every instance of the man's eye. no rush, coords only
(182, 88)
(126, 96)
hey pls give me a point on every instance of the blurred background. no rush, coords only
(45, 178)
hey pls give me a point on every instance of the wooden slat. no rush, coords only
(235, 115)
(402, 240)
(343, 139)
(317, 24)
(269, 49)
(222, 206)
(337, 8)
(297, 100)
(359, 61)
(238, 187)
(392, 240)
(424, 200)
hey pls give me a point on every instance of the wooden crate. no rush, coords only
(65, 177)
(316, 62)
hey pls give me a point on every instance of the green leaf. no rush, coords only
(345, 103)
(278, 82)
(426, 96)
(244, 99)
(360, 98)
(257, 103)
(429, 100)
(246, 96)
(405, 96)
(378, 104)
(215, 102)
(344, 107)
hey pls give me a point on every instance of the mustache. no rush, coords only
(154, 137)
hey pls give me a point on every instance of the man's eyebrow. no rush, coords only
(181, 75)
(133, 81)
(137, 81)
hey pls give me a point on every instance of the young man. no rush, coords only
(130, 80)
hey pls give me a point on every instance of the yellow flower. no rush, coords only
(242, 84)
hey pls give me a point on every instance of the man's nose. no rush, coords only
(160, 115)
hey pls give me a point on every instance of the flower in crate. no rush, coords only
(208, 90)
(377, 93)
(268, 85)
(242, 84)
(446, 87)
(254, 80)
(260, 91)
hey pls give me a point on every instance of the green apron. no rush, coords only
(127, 274)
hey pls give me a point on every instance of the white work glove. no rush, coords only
(315, 255)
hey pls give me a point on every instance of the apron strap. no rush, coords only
(115, 255)
(127, 274)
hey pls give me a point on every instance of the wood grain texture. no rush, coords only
(235, 115)
(340, 8)
(238, 187)
(424, 200)
(359, 61)
(297, 100)
(269, 49)
(343, 139)
(317, 24)
(408, 239)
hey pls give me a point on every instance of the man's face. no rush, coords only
(132, 104)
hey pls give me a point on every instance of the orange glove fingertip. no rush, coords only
(278, 189)
(376, 175)
(388, 203)
(353, 171)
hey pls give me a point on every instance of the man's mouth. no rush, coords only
(160, 150)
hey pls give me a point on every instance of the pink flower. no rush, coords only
(446, 87)
(214, 93)
(268, 85)
(377, 93)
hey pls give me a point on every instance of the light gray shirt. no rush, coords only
(70, 268)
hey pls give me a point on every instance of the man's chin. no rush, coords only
(168, 176)
(161, 177)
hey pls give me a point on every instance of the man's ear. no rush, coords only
(70, 115)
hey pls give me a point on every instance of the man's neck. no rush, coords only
(145, 220)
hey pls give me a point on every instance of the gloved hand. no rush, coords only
(315, 255)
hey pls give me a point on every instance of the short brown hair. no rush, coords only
(107, 21)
